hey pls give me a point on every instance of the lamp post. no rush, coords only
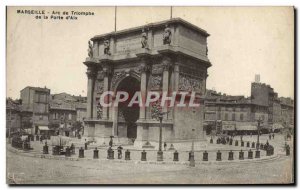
(158, 114)
(259, 121)
(160, 152)
(192, 158)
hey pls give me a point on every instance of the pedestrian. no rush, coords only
(270, 136)
(120, 148)
(273, 135)
(165, 146)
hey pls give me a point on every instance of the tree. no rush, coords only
(77, 125)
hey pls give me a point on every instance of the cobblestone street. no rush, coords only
(32, 170)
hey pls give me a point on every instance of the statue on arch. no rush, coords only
(144, 40)
(167, 35)
(90, 50)
(107, 47)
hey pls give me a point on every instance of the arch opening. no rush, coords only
(127, 116)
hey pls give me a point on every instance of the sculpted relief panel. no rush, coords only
(155, 82)
(188, 83)
(155, 79)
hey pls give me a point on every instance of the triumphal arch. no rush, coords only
(168, 56)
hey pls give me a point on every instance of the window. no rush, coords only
(242, 117)
(226, 116)
(219, 115)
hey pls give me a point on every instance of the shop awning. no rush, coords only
(277, 126)
(246, 128)
(239, 127)
(228, 127)
(43, 128)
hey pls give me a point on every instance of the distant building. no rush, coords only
(232, 114)
(65, 110)
(35, 108)
(280, 110)
(13, 116)
(287, 112)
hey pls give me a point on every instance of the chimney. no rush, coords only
(257, 78)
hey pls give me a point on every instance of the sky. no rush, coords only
(243, 41)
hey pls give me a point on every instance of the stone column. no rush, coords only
(165, 87)
(143, 90)
(90, 91)
(176, 76)
(106, 73)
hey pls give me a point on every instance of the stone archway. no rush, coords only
(127, 116)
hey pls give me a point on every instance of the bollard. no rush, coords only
(72, 149)
(127, 155)
(211, 141)
(26, 146)
(272, 150)
(242, 143)
(110, 153)
(192, 160)
(81, 153)
(68, 152)
(96, 153)
(253, 145)
(230, 155)
(205, 156)
(257, 154)
(175, 158)
(85, 146)
(236, 143)
(55, 150)
(241, 155)
(268, 151)
(248, 144)
(119, 154)
(144, 156)
(288, 150)
(219, 156)
(250, 154)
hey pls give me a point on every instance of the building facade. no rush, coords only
(165, 56)
(35, 107)
(232, 114)
(65, 111)
(13, 116)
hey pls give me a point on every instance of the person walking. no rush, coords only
(165, 146)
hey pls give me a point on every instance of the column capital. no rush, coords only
(91, 73)
(144, 67)
(166, 63)
(176, 67)
(106, 70)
